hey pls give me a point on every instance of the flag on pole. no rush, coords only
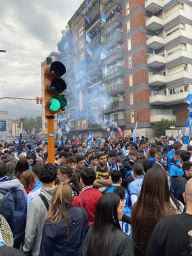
(88, 37)
(67, 128)
(106, 69)
(179, 136)
(88, 21)
(103, 17)
(103, 54)
(88, 50)
(90, 140)
(20, 138)
(87, 5)
(110, 136)
(135, 132)
(81, 14)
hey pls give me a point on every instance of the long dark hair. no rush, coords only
(153, 204)
(65, 169)
(21, 166)
(62, 196)
(102, 234)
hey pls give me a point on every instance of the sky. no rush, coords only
(29, 32)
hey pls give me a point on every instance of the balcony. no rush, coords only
(153, 6)
(178, 75)
(177, 34)
(155, 42)
(120, 89)
(112, 23)
(157, 118)
(156, 61)
(154, 23)
(157, 80)
(115, 107)
(114, 72)
(177, 54)
(113, 54)
(168, 99)
(175, 15)
(120, 122)
(114, 38)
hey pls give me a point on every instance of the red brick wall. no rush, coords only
(144, 115)
(124, 11)
(138, 19)
(127, 99)
(126, 63)
(124, 28)
(133, 4)
(125, 46)
(140, 76)
(127, 81)
(140, 96)
(181, 112)
(78, 23)
(128, 117)
(139, 57)
(139, 38)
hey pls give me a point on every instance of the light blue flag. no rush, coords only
(87, 5)
(90, 140)
(88, 38)
(154, 93)
(134, 133)
(104, 53)
(103, 17)
(89, 50)
(81, 14)
(88, 21)
(189, 98)
(67, 128)
(106, 69)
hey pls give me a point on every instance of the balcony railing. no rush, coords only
(117, 106)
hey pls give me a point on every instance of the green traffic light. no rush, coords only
(54, 105)
(62, 100)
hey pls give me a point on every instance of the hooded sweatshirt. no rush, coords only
(35, 222)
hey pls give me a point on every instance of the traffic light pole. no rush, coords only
(51, 142)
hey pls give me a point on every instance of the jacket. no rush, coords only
(178, 184)
(91, 197)
(123, 245)
(35, 221)
(54, 240)
(146, 163)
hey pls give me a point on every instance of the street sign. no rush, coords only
(2, 125)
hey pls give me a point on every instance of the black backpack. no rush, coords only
(13, 207)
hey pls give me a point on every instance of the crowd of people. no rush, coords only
(114, 197)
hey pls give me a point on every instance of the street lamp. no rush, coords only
(2, 51)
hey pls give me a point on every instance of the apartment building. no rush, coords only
(148, 61)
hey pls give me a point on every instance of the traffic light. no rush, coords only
(54, 85)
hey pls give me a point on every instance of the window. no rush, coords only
(130, 80)
(132, 117)
(128, 26)
(178, 68)
(131, 98)
(130, 62)
(116, 117)
(81, 57)
(178, 89)
(81, 32)
(81, 45)
(129, 44)
(175, 28)
(127, 9)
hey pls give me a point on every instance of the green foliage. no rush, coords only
(160, 127)
(31, 125)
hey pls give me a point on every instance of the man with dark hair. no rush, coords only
(159, 164)
(145, 161)
(112, 160)
(30, 159)
(93, 161)
(100, 147)
(62, 159)
(103, 173)
(71, 162)
(38, 210)
(87, 155)
(15, 208)
(170, 155)
(90, 196)
(135, 186)
(80, 164)
(176, 169)
(178, 183)
(35, 192)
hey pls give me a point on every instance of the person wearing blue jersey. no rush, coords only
(134, 187)
(126, 227)
(170, 155)
(116, 177)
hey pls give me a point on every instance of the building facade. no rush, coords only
(146, 73)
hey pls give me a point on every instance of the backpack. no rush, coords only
(13, 207)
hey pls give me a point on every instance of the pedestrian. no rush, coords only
(21, 166)
(27, 180)
(106, 237)
(153, 204)
(66, 174)
(65, 226)
(89, 197)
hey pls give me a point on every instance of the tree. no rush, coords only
(160, 127)
(31, 125)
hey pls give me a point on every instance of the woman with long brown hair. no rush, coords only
(65, 226)
(153, 204)
(66, 174)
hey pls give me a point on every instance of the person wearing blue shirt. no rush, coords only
(116, 177)
(170, 158)
(134, 187)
